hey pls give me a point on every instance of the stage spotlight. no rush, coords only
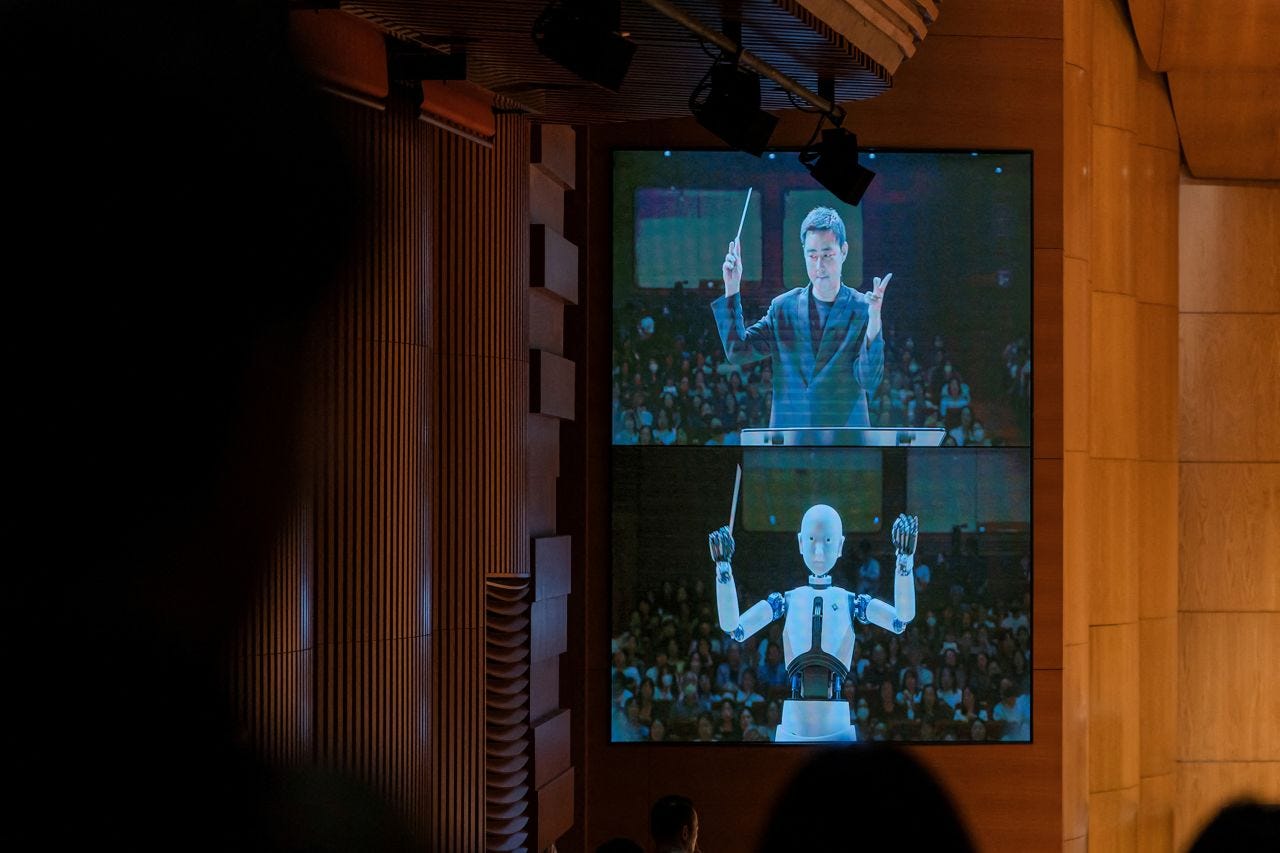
(585, 37)
(834, 164)
(731, 107)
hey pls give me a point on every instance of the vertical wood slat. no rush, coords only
(479, 406)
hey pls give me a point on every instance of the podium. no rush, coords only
(810, 720)
(843, 437)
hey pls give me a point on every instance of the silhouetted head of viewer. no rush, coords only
(1242, 827)
(673, 823)
(864, 797)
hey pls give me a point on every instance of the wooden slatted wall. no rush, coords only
(479, 373)
(335, 660)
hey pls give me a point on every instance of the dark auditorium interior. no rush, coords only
(314, 480)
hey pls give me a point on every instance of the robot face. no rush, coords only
(821, 538)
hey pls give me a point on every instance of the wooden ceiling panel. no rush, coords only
(1207, 33)
(1223, 67)
(859, 43)
(1229, 122)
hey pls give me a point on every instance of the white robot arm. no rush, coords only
(737, 625)
(895, 617)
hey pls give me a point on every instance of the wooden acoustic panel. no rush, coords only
(1206, 33)
(340, 50)
(1156, 173)
(1111, 241)
(1228, 392)
(1158, 534)
(1155, 123)
(1114, 66)
(1113, 820)
(1114, 709)
(1203, 788)
(1049, 335)
(1076, 344)
(1077, 546)
(1229, 536)
(1113, 567)
(1047, 554)
(1077, 33)
(1075, 740)
(479, 409)
(1077, 163)
(507, 759)
(1114, 423)
(1156, 408)
(1228, 720)
(1227, 254)
(367, 592)
(1157, 795)
(1229, 122)
(1158, 694)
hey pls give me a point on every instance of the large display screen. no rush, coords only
(821, 461)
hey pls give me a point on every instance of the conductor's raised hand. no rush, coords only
(733, 268)
(875, 299)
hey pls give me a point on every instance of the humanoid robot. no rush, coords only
(817, 635)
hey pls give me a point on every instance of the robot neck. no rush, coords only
(820, 581)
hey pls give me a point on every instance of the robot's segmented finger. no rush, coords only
(721, 544)
(905, 530)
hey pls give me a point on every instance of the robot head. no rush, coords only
(821, 538)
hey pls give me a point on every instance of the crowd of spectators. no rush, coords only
(673, 385)
(960, 671)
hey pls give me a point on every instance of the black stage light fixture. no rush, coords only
(731, 107)
(834, 164)
(585, 36)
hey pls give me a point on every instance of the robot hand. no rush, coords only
(904, 533)
(721, 543)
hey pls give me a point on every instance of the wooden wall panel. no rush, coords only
(337, 648)
(1224, 117)
(1113, 375)
(1113, 708)
(1077, 547)
(1048, 334)
(1157, 795)
(1113, 566)
(1233, 655)
(1155, 224)
(1228, 391)
(1076, 344)
(1077, 160)
(479, 410)
(1158, 694)
(1156, 393)
(1114, 65)
(1157, 532)
(1156, 127)
(1111, 240)
(1229, 537)
(1227, 251)
(1203, 788)
(1075, 740)
(272, 670)
(1113, 820)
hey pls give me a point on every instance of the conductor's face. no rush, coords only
(823, 258)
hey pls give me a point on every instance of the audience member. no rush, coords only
(899, 804)
(673, 824)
